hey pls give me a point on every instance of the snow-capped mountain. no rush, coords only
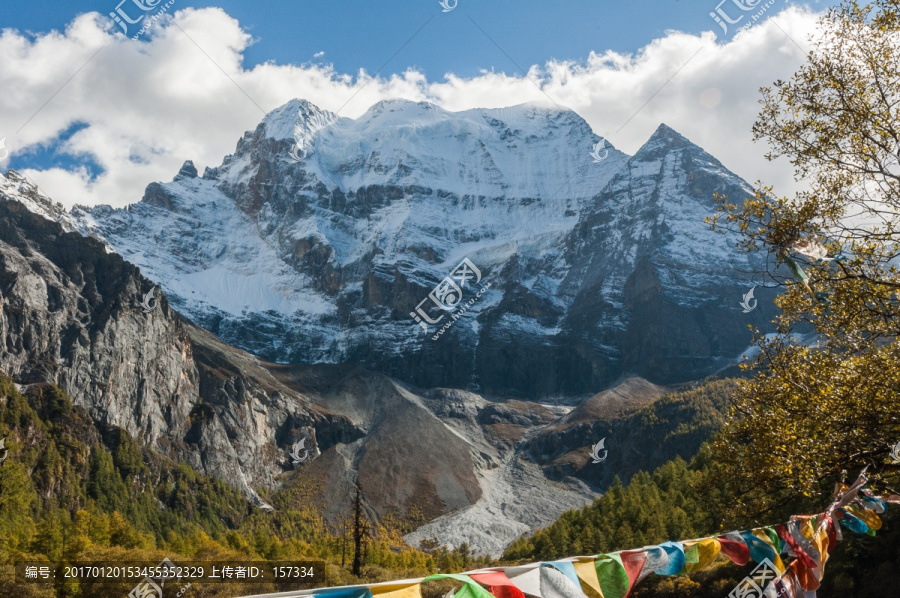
(75, 315)
(15, 185)
(328, 239)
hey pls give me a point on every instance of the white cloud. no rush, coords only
(150, 105)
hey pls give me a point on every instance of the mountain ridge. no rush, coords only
(325, 260)
(75, 315)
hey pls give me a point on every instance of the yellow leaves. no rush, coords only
(809, 412)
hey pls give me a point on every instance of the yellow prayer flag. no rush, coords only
(406, 590)
(707, 551)
(870, 518)
(587, 573)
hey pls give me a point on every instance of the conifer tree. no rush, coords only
(360, 531)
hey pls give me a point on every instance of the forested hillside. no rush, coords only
(71, 490)
(677, 502)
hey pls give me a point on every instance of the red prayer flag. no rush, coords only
(806, 577)
(633, 561)
(498, 584)
(832, 533)
(798, 550)
(736, 551)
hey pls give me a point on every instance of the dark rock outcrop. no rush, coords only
(325, 258)
(86, 320)
(74, 315)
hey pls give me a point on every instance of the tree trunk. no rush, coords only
(358, 532)
(344, 527)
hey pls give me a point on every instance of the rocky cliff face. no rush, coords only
(321, 239)
(471, 469)
(75, 315)
(313, 244)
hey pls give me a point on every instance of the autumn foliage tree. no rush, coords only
(814, 410)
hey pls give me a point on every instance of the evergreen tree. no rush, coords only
(360, 531)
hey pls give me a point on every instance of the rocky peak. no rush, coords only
(298, 120)
(664, 139)
(317, 247)
(15, 186)
(667, 143)
(86, 320)
(188, 171)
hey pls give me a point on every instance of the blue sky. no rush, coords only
(96, 116)
(356, 34)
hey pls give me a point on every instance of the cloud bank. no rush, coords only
(138, 109)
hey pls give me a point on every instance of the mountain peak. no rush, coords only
(405, 109)
(398, 103)
(17, 187)
(188, 171)
(317, 216)
(665, 133)
(663, 141)
(298, 119)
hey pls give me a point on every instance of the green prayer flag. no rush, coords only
(469, 589)
(612, 576)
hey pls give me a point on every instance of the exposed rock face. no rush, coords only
(642, 425)
(72, 315)
(563, 448)
(323, 259)
(75, 315)
(16, 185)
(596, 270)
